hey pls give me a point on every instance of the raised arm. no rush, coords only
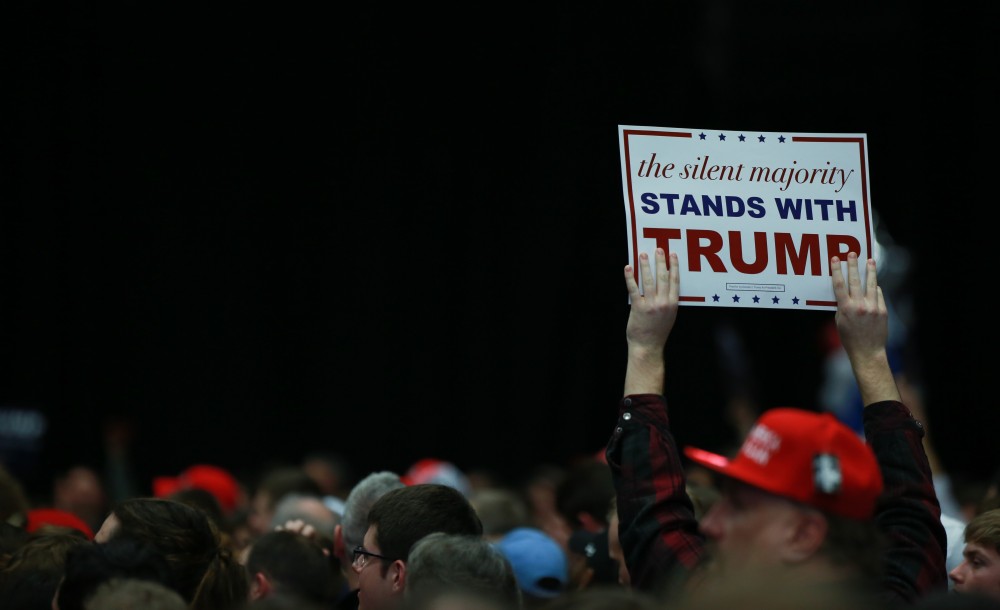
(908, 511)
(863, 325)
(657, 529)
(651, 318)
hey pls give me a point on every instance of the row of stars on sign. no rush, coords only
(743, 138)
(756, 299)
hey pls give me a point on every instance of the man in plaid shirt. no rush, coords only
(805, 497)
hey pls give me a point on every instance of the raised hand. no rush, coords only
(650, 320)
(863, 324)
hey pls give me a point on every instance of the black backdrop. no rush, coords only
(395, 232)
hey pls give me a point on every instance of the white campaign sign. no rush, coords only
(754, 217)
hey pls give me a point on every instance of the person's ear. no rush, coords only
(338, 542)
(807, 536)
(397, 573)
(260, 586)
(590, 523)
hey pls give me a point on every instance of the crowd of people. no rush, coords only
(806, 512)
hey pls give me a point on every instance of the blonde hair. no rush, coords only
(984, 529)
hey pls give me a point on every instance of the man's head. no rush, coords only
(88, 566)
(32, 573)
(331, 471)
(802, 486)
(289, 563)
(443, 565)
(582, 496)
(200, 568)
(500, 509)
(81, 491)
(275, 484)
(396, 522)
(307, 508)
(350, 533)
(979, 571)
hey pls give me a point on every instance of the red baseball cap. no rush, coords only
(41, 517)
(213, 479)
(433, 470)
(804, 456)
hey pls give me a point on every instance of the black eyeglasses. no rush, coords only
(361, 557)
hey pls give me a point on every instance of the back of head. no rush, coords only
(45, 549)
(31, 576)
(331, 472)
(295, 565)
(282, 480)
(500, 509)
(309, 509)
(203, 500)
(90, 565)
(405, 515)
(359, 502)
(181, 533)
(582, 497)
(442, 563)
(539, 489)
(131, 594)
(207, 502)
(201, 569)
(276, 483)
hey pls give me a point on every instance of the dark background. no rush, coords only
(395, 232)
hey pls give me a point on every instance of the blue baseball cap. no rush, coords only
(539, 562)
